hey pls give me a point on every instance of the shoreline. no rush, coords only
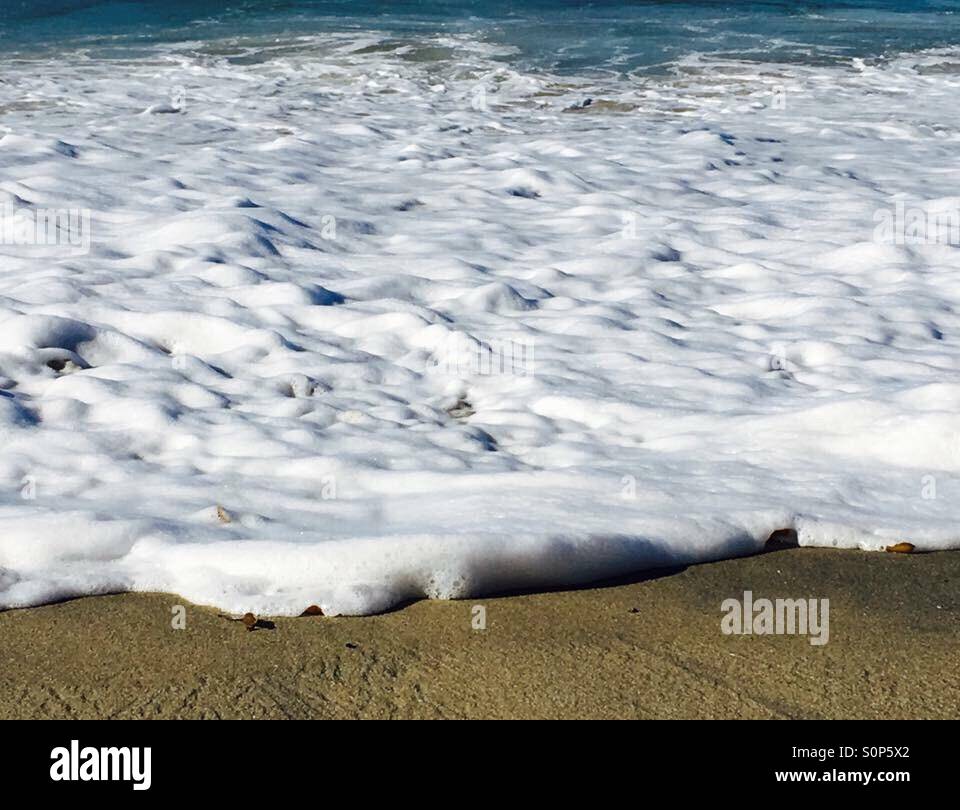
(652, 647)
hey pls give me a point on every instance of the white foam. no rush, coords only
(299, 277)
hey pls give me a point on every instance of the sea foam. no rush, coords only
(443, 328)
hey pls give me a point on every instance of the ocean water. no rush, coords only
(347, 303)
(559, 35)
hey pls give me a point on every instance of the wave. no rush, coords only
(614, 35)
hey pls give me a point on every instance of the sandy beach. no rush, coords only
(640, 319)
(650, 648)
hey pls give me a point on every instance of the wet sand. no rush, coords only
(652, 647)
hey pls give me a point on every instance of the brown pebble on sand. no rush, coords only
(783, 538)
(901, 548)
(313, 610)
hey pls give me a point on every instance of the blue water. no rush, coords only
(557, 34)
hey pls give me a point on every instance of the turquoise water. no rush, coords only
(553, 34)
